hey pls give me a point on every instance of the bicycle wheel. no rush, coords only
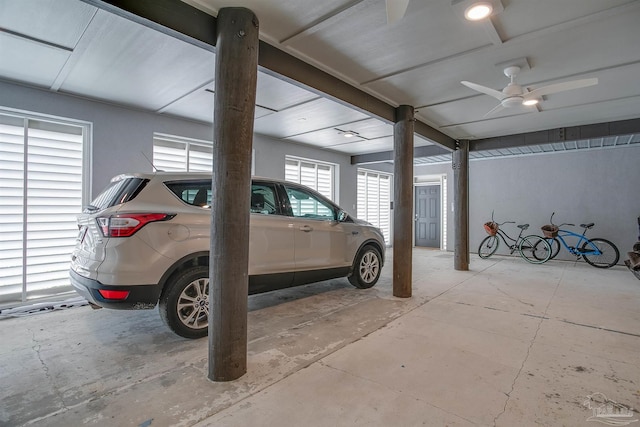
(488, 247)
(534, 249)
(544, 245)
(609, 254)
(555, 246)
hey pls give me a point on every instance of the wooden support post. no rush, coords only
(235, 94)
(403, 204)
(460, 166)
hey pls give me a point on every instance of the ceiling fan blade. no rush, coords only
(486, 90)
(493, 110)
(396, 10)
(560, 87)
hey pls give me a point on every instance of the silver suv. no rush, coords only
(145, 241)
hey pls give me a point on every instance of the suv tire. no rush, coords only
(366, 268)
(184, 304)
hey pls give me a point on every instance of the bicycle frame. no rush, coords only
(512, 247)
(577, 250)
(598, 252)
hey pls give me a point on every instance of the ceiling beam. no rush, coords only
(189, 24)
(431, 134)
(172, 17)
(549, 136)
(386, 156)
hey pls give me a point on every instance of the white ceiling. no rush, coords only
(72, 47)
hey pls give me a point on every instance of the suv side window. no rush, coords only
(196, 193)
(305, 204)
(263, 199)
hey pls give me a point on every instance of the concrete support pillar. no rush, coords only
(235, 94)
(403, 201)
(460, 164)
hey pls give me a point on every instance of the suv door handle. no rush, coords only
(306, 228)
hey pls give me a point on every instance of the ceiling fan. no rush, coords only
(515, 95)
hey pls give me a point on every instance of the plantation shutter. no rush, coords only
(362, 195)
(374, 200)
(318, 176)
(175, 154)
(41, 194)
(384, 205)
(169, 156)
(200, 158)
(292, 170)
(11, 207)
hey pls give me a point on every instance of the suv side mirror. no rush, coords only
(342, 215)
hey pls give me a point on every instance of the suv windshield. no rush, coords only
(116, 193)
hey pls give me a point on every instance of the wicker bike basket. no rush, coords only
(549, 231)
(491, 228)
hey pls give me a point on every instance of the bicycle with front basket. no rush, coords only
(598, 252)
(532, 248)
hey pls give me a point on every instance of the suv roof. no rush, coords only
(183, 175)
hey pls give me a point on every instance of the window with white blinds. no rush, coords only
(175, 154)
(41, 187)
(316, 175)
(374, 200)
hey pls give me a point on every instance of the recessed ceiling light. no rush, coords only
(478, 10)
(347, 133)
(529, 102)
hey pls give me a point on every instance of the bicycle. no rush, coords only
(532, 248)
(598, 252)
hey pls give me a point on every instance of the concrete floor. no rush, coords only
(504, 344)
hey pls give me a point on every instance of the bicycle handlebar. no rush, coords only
(564, 223)
(502, 223)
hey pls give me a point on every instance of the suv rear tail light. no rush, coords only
(125, 225)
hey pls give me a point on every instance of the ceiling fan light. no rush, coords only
(478, 10)
(529, 102)
(512, 101)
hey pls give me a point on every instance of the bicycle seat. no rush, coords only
(587, 226)
(523, 226)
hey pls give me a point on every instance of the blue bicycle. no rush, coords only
(600, 253)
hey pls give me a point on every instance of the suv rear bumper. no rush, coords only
(140, 296)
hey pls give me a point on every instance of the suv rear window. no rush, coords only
(116, 193)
